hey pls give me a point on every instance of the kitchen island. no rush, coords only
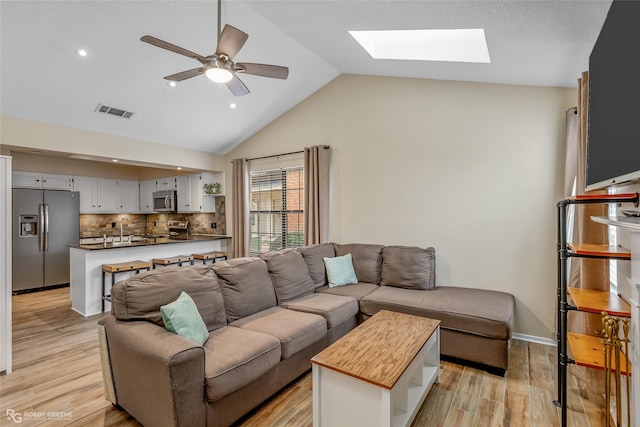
(87, 259)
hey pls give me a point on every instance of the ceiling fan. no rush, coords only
(219, 66)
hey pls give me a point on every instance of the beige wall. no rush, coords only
(43, 136)
(471, 169)
(75, 167)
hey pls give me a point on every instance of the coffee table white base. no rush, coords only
(340, 400)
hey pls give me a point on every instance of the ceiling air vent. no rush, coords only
(113, 111)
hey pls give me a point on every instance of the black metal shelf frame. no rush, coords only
(563, 307)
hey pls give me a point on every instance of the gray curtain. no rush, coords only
(240, 192)
(572, 122)
(316, 194)
(584, 273)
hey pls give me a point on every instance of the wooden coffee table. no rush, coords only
(378, 374)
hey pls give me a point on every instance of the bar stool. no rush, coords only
(120, 268)
(206, 256)
(178, 260)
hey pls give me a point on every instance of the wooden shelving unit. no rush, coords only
(594, 250)
(587, 350)
(598, 301)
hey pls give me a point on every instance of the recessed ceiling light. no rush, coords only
(454, 45)
(81, 52)
(171, 83)
(114, 160)
(179, 168)
(232, 105)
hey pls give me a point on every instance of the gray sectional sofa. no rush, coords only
(266, 318)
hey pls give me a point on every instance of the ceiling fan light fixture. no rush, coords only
(219, 75)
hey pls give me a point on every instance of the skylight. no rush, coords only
(459, 45)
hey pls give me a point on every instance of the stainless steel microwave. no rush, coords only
(164, 201)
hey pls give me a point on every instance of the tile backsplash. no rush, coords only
(96, 225)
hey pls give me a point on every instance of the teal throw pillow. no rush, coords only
(340, 270)
(182, 317)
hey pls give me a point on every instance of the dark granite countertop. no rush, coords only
(150, 241)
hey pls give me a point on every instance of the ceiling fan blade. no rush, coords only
(184, 75)
(172, 47)
(236, 86)
(264, 70)
(231, 41)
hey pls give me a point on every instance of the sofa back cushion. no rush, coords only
(246, 286)
(289, 274)
(141, 295)
(313, 256)
(367, 260)
(409, 267)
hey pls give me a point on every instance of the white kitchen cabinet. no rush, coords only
(88, 188)
(195, 192)
(57, 182)
(147, 189)
(22, 179)
(118, 196)
(107, 195)
(128, 196)
(26, 180)
(184, 194)
(191, 197)
(166, 183)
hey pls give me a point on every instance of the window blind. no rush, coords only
(276, 209)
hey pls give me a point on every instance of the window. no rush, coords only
(276, 209)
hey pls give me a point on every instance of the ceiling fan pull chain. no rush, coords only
(219, 21)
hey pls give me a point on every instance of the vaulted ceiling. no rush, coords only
(542, 43)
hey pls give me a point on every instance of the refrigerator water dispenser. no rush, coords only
(28, 225)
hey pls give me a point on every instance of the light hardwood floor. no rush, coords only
(56, 368)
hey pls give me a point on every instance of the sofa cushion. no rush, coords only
(289, 274)
(181, 317)
(475, 311)
(367, 260)
(246, 286)
(408, 267)
(340, 271)
(334, 308)
(294, 329)
(141, 296)
(313, 255)
(356, 290)
(234, 357)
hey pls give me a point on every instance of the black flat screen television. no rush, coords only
(613, 141)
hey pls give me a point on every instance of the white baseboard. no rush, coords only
(534, 339)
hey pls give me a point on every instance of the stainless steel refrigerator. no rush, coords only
(45, 222)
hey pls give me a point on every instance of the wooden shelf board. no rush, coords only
(598, 301)
(601, 250)
(616, 197)
(588, 351)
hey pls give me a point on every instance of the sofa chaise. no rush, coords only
(266, 318)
